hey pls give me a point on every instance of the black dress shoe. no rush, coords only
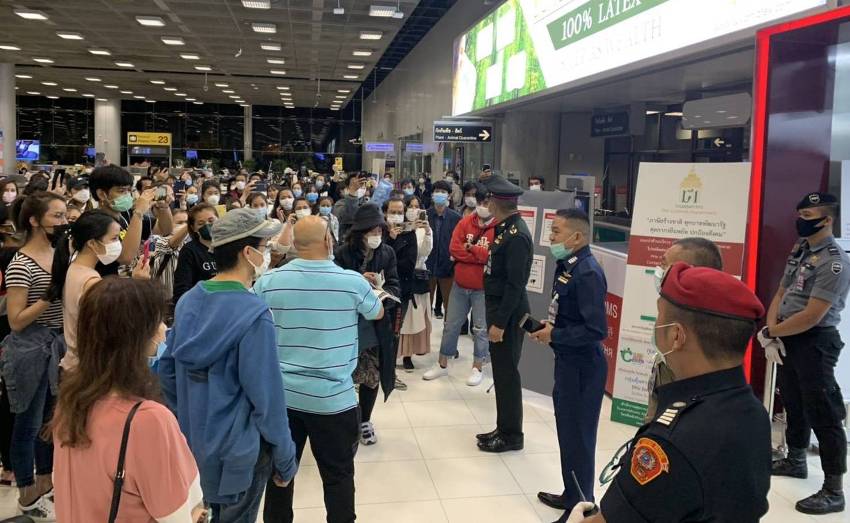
(824, 502)
(792, 468)
(500, 443)
(555, 501)
(487, 435)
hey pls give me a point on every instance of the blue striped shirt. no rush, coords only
(316, 305)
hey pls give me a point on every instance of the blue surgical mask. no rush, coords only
(325, 211)
(297, 193)
(319, 184)
(188, 182)
(408, 191)
(312, 197)
(560, 251)
(441, 199)
(191, 199)
(154, 360)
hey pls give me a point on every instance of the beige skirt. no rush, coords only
(415, 338)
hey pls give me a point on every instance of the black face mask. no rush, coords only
(206, 232)
(806, 228)
(54, 235)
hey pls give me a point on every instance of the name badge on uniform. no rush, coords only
(801, 282)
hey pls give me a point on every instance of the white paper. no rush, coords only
(537, 277)
(546, 230)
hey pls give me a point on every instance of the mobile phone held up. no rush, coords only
(161, 193)
(529, 324)
(148, 249)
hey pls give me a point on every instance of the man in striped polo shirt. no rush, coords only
(316, 305)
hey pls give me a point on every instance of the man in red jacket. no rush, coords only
(469, 248)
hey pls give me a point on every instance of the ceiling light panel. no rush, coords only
(150, 21)
(270, 46)
(170, 88)
(33, 93)
(357, 67)
(43, 60)
(350, 76)
(222, 85)
(158, 82)
(53, 97)
(257, 4)
(100, 52)
(23, 76)
(92, 79)
(276, 61)
(278, 72)
(124, 64)
(69, 36)
(172, 40)
(88, 95)
(203, 68)
(228, 91)
(371, 35)
(9, 47)
(126, 92)
(69, 89)
(30, 14)
(282, 88)
(264, 27)
(49, 84)
(361, 52)
(189, 56)
(382, 11)
(111, 86)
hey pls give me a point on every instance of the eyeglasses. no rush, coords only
(613, 467)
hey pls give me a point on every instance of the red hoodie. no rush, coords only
(469, 264)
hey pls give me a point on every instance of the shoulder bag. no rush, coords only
(119, 473)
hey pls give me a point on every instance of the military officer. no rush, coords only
(706, 456)
(803, 315)
(576, 326)
(505, 277)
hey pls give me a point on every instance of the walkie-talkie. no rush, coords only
(587, 513)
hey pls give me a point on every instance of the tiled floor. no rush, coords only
(426, 468)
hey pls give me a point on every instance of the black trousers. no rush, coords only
(334, 439)
(7, 421)
(504, 357)
(812, 397)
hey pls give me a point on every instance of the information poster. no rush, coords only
(537, 275)
(672, 201)
(546, 230)
(529, 216)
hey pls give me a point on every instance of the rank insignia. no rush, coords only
(565, 277)
(834, 251)
(813, 259)
(648, 461)
(836, 268)
(513, 229)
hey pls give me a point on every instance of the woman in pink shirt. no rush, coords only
(120, 326)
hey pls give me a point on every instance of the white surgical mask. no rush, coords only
(302, 213)
(373, 241)
(191, 199)
(483, 212)
(661, 355)
(82, 196)
(470, 201)
(658, 276)
(534, 187)
(259, 270)
(287, 203)
(113, 251)
(395, 219)
(240, 186)
(361, 192)
(213, 199)
(412, 215)
(9, 196)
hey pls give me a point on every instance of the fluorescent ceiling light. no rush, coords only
(98, 99)
(228, 91)
(245, 105)
(34, 93)
(278, 71)
(276, 61)
(382, 11)
(53, 97)
(126, 92)
(344, 91)
(198, 103)
(371, 35)
(190, 99)
(340, 97)
(234, 96)
(361, 52)
(88, 95)
(189, 56)
(172, 40)
(69, 89)
(139, 97)
(150, 21)
(111, 86)
(123, 64)
(100, 52)
(69, 36)
(151, 101)
(356, 67)
(257, 4)
(180, 94)
(203, 68)
(170, 88)
(398, 15)
(158, 82)
(263, 27)
(675, 113)
(43, 60)
(269, 46)
(650, 113)
(9, 47)
(24, 76)
(49, 84)
(282, 88)
(30, 14)
(92, 78)
(350, 76)
(222, 85)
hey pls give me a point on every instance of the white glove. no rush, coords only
(764, 340)
(577, 514)
(773, 350)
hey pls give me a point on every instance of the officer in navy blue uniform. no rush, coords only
(706, 455)
(575, 327)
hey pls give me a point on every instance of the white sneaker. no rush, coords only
(435, 372)
(475, 378)
(367, 433)
(40, 510)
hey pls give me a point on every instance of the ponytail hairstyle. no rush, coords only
(33, 206)
(91, 225)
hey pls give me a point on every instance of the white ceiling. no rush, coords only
(315, 45)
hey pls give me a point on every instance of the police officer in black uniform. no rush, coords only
(575, 328)
(803, 315)
(506, 301)
(706, 456)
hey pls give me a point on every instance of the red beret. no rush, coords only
(710, 291)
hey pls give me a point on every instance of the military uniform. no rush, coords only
(505, 277)
(578, 314)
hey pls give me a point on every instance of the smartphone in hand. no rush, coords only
(529, 324)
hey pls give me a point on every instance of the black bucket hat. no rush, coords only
(368, 217)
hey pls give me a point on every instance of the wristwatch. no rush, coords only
(765, 331)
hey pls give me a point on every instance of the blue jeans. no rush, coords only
(462, 301)
(27, 446)
(248, 507)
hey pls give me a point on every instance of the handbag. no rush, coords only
(421, 281)
(119, 473)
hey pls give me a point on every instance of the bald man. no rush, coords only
(316, 306)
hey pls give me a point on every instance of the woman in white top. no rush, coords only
(415, 334)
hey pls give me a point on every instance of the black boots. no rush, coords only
(794, 466)
(827, 500)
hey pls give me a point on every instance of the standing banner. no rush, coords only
(672, 201)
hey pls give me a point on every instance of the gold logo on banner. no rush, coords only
(691, 186)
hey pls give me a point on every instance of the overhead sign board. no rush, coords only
(140, 138)
(451, 131)
(609, 124)
(148, 150)
(379, 147)
(527, 46)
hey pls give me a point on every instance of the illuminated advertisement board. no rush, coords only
(526, 46)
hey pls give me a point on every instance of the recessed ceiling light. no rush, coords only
(344, 91)
(190, 99)
(92, 79)
(283, 87)
(269, 46)
(69, 36)
(49, 84)
(398, 14)
(382, 11)
(222, 85)
(69, 89)
(151, 101)
(126, 92)
(34, 93)
(275, 61)
(111, 86)
(170, 88)
(245, 105)
(101, 99)
(158, 82)
(234, 96)
(180, 94)
(257, 4)
(198, 103)
(43, 60)
(228, 91)
(30, 14)
(339, 10)
(139, 97)
(263, 27)
(278, 71)
(100, 52)
(357, 67)
(203, 68)
(340, 97)
(350, 76)
(53, 97)
(24, 76)
(150, 21)
(371, 35)
(361, 52)
(190, 56)
(124, 64)
(172, 40)
(9, 47)
(88, 95)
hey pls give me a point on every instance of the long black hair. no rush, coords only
(91, 225)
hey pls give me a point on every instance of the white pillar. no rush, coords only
(248, 134)
(8, 118)
(107, 130)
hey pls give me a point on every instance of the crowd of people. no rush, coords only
(225, 321)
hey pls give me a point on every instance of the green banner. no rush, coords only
(594, 16)
(627, 412)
